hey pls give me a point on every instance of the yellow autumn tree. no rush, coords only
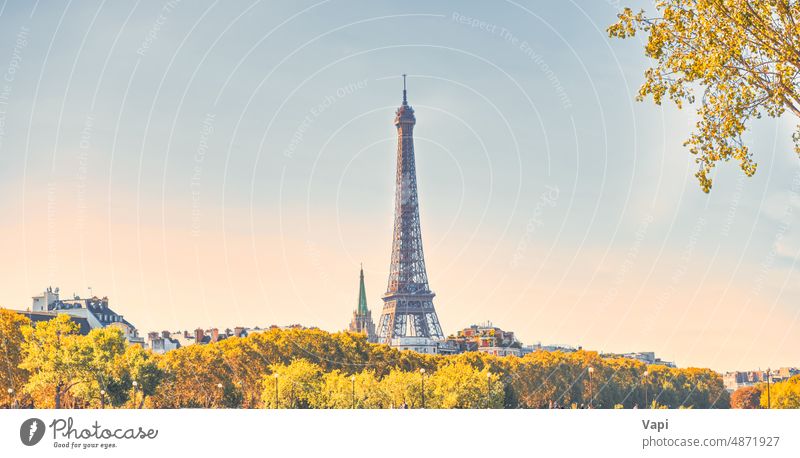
(782, 395)
(141, 366)
(461, 386)
(191, 378)
(316, 369)
(736, 59)
(345, 391)
(404, 389)
(299, 385)
(53, 355)
(12, 377)
(100, 353)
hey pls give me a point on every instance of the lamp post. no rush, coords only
(276, 389)
(353, 379)
(12, 398)
(489, 391)
(769, 401)
(219, 390)
(591, 392)
(646, 384)
(422, 373)
(102, 399)
(135, 384)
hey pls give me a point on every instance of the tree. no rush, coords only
(315, 370)
(54, 358)
(745, 55)
(342, 391)
(703, 389)
(783, 395)
(369, 393)
(461, 386)
(625, 384)
(299, 385)
(556, 379)
(11, 340)
(190, 377)
(245, 365)
(404, 389)
(142, 367)
(746, 397)
(101, 351)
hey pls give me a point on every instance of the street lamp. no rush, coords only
(353, 379)
(10, 395)
(135, 384)
(489, 392)
(276, 388)
(591, 393)
(422, 373)
(769, 403)
(102, 399)
(219, 388)
(646, 384)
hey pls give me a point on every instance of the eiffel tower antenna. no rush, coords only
(405, 100)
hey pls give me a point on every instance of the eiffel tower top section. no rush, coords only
(407, 274)
(405, 115)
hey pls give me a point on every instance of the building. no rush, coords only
(784, 373)
(486, 338)
(417, 344)
(362, 318)
(552, 347)
(737, 379)
(36, 317)
(163, 342)
(647, 357)
(94, 311)
(408, 311)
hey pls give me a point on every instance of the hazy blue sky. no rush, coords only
(231, 163)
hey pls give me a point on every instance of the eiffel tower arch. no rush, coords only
(408, 310)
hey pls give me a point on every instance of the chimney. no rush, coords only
(165, 334)
(214, 334)
(238, 331)
(198, 335)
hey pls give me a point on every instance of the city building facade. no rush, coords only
(93, 311)
(486, 338)
(738, 379)
(647, 357)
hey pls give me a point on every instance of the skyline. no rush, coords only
(202, 182)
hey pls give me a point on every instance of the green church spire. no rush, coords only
(362, 295)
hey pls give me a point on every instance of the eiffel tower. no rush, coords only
(408, 303)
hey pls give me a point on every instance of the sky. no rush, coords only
(213, 163)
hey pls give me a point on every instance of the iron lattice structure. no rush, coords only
(408, 303)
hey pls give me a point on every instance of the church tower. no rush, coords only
(362, 317)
